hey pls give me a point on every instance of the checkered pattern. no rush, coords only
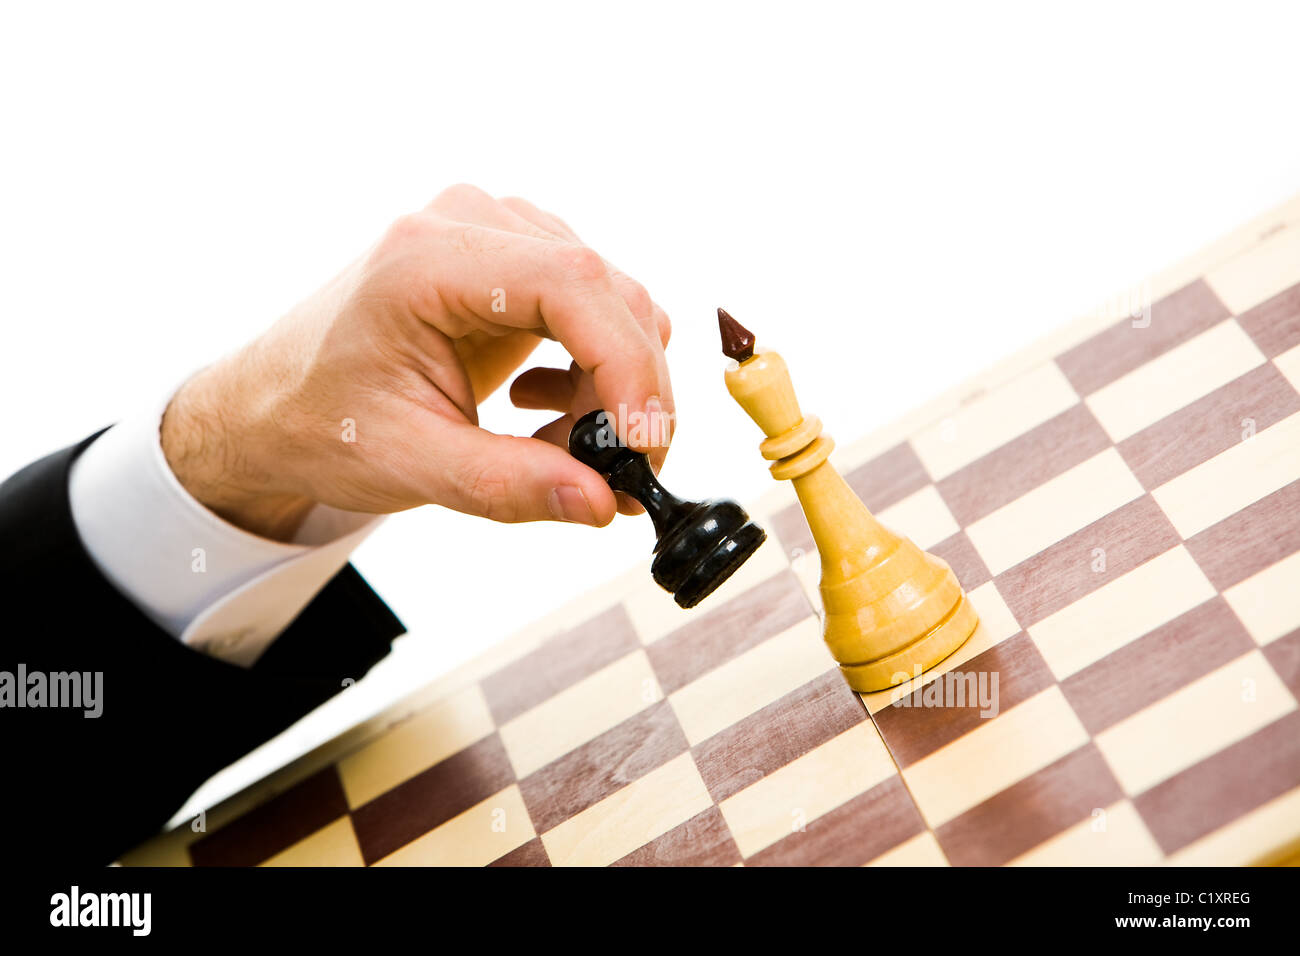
(1123, 508)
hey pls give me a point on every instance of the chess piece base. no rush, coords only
(699, 543)
(707, 547)
(921, 655)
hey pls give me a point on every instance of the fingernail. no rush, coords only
(659, 428)
(568, 503)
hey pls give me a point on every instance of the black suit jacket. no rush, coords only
(83, 790)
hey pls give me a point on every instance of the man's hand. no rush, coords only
(365, 396)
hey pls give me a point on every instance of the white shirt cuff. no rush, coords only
(206, 582)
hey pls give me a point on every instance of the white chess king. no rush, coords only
(891, 609)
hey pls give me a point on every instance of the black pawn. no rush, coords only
(701, 543)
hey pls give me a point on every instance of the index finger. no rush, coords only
(587, 313)
(482, 275)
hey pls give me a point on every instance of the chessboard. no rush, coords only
(1121, 502)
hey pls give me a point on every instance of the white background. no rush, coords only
(893, 195)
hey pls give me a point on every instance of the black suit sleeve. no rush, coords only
(81, 789)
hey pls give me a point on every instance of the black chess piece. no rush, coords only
(701, 543)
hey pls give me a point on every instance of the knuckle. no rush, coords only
(412, 227)
(489, 495)
(540, 224)
(665, 325)
(468, 239)
(579, 262)
(637, 298)
(460, 193)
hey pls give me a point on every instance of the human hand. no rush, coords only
(364, 396)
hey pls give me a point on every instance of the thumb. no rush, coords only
(507, 478)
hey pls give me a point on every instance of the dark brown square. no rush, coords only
(1224, 786)
(1256, 537)
(1275, 324)
(852, 834)
(1121, 348)
(532, 853)
(917, 729)
(964, 560)
(431, 798)
(783, 731)
(1156, 665)
(703, 840)
(1208, 426)
(1284, 655)
(1031, 811)
(1077, 565)
(728, 631)
(276, 825)
(559, 663)
(888, 478)
(587, 774)
(1022, 464)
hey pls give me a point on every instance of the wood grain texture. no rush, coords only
(703, 840)
(964, 560)
(1086, 560)
(880, 819)
(1199, 431)
(1123, 347)
(1251, 540)
(1023, 464)
(725, 632)
(1030, 811)
(586, 775)
(888, 478)
(531, 853)
(559, 663)
(1230, 783)
(1275, 324)
(276, 825)
(1156, 664)
(915, 731)
(431, 798)
(778, 734)
(1284, 655)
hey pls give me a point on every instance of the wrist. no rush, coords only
(212, 447)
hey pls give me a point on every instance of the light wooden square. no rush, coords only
(1227, 704)
(581, 712)
(1121, 611)
(1233, 479)
(993, 419)
(807, 788)
(630, 818)
(1054, 510)
(485, 832)
(1174, 380)
(994, 756)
